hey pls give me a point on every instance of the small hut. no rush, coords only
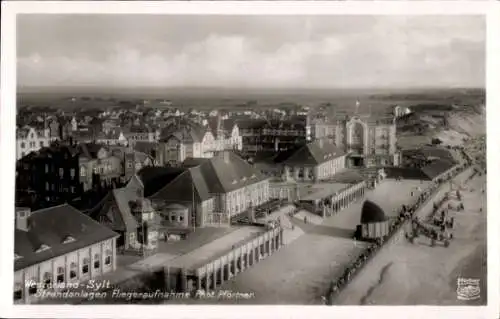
(374, 223)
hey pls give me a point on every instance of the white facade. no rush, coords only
(239, 200)
(319, 172)
(31, 141)
(77, 267)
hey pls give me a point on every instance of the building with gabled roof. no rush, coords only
(58, 246)
(30, 139)
(314, 161)
(179, 141)
(225, 185)
(226, 133)
(128, 213)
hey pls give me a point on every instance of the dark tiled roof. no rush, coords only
(122, 219)
(251, 123)
(372, 213)
(51, 226)
(227, 126)
(313, 153)
(184, 188)
(225, 176)
(193, 161)
(155, 178)
(437, 168)
(184, 130)
(89, 150)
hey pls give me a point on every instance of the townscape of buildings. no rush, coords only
(91, 187)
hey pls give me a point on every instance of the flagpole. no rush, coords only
(193, 214)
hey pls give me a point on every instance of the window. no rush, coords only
(33, 287)
(61, 171)
(72, 188)
(23, 145)
(107, 260)
(18, 291)
(60, 275)
(46, 168)
(68, 239)
(97, 262)
(72, 173)
(85, 266)
(181, 218)
(41, 143)
(42, 247)
(47, 280)
(83, 172)
(72, 271)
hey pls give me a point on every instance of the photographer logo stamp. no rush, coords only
(468, 289)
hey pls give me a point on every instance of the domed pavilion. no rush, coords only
(374, 223)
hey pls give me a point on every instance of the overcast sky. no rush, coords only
(251, 51)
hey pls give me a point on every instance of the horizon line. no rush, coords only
(21, 87)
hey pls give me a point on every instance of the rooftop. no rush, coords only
(313, 153)
(50, 228)
(320, 191)
(216, 248)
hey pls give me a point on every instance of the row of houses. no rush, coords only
(63, 171)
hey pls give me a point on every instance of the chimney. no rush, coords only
(22, 218)
(276, 145)
(320, 141)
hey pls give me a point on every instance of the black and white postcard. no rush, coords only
(225, 155)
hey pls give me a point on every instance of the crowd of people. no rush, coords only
(405, 213)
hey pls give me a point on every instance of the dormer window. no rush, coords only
(253, 176)
(68, 239)
(16, 256)
(243, 179)
(234, 181)
(43, 247)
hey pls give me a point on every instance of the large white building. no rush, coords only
(208, 191)
(368, 140)
(29, 139)
(57, 247)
